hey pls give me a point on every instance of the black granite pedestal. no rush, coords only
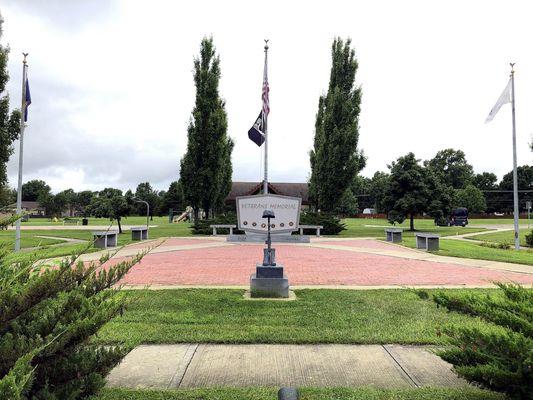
(269, 281)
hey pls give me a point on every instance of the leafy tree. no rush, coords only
(379, 186)
(48, 316)
(335, 158)
(54, 205)
(83, 200)
(71, 200)
(145, 192)
(499, 354)
(348, 204)
(485, 181)
(360, 188)
(8, 196)
(408, 193)
(109, 203)
(206, 166)
(525, 182)
(31, 190)
(472, 198)
(9, 121)
(173, 198)
(451, 167)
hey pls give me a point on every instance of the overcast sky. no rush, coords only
(112, 87)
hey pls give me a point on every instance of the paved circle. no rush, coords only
(344, 262)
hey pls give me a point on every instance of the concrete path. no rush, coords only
(214, 365)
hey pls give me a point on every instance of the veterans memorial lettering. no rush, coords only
(250, 212)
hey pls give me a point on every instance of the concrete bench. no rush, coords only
(71, 221)
(215, 227)
(139, 233)
(427, 241)
(105, 239)
(316, 227)
(394, 235)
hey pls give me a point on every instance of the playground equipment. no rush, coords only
(185, 215)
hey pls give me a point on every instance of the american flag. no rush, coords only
(264, 96)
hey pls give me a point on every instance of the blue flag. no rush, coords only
(27, 100)
(257, 131)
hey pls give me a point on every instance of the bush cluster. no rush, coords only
(498, 356)
(529, 239)
(332, 225)
(47, 317)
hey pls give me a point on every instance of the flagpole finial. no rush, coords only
(266, 44)
(25, 55)
(512, 67)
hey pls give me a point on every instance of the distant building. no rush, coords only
(282, 188)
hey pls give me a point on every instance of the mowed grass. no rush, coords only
(375, 227)
(503, 237)
(466, 249)
(318, 316)
(363, 393)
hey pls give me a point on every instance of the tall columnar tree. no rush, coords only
(451, 167)
(206, 166)
(9, 120)
(335, 158)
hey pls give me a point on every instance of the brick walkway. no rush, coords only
(356, 262)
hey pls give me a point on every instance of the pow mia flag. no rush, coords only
(257, 131)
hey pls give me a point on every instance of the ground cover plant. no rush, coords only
(318, 316)
(47, 316)
(363, 393)
(499, 354)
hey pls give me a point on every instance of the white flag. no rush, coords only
(504, 98)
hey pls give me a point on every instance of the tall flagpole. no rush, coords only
(22, 126)
(265, 125)
(515, 173)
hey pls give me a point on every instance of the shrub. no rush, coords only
(47, 316)
(332, 225)
(500, 355)
(497, 245)
(201, 227)
(529, 239)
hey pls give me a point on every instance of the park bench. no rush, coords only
(71, 221)
(105, 239)
(316, 227)
(139, 233)
(394, 235)
(215, 227)
(427, 241)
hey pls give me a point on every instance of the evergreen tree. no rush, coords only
(9, 121)
(499, 354)
(173, 198)
(335, 158)
(206, 166)
(47, 317)
(145, 192)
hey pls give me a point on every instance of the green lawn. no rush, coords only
(318, 316)
(363, 393)
(503, 237)
(363, 227)
(465, 249)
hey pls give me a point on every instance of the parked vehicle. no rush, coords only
(459, 217)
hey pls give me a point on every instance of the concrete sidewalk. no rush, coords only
(324, 365)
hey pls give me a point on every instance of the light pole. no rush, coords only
(135, 199)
